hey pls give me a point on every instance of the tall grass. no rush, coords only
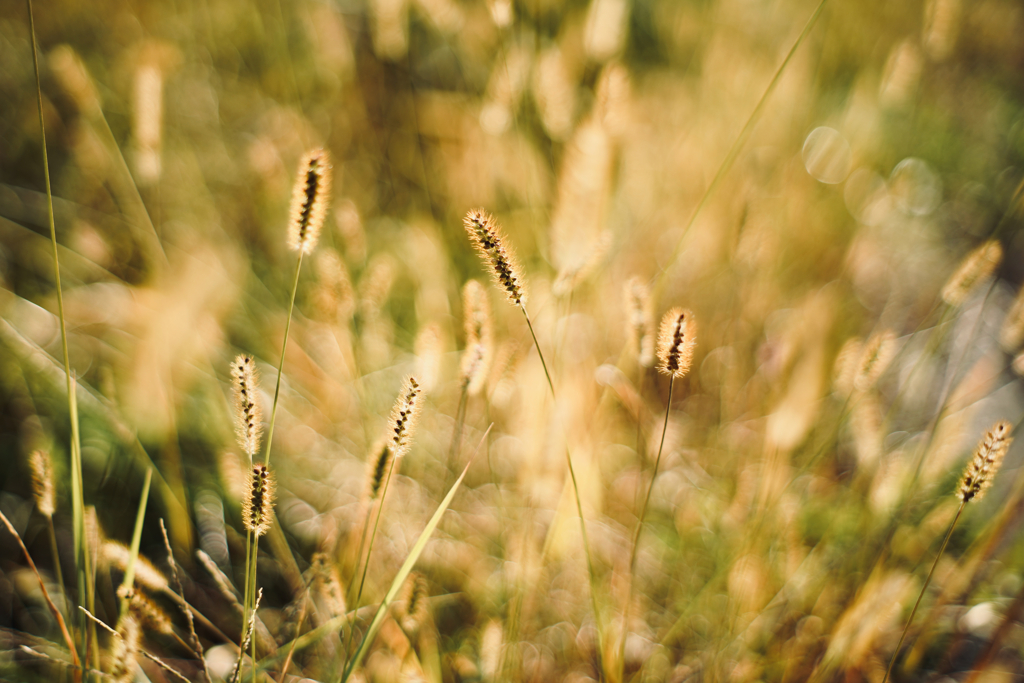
(832, 189)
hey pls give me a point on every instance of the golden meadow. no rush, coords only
(444, 340)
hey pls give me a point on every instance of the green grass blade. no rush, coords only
(403, 573)
(133, 555)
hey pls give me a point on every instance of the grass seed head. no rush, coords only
(404, 416)
(114, 554)
(878, 352)
(676, 341)
(377, 468)
(973, 270)
(487, 238)
(145, 611)
(988, 457)
(641, 320)
(125, 648)
(309, 201)
(259, 501)
(248, 416)
(42, 482)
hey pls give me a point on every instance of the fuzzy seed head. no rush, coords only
(309, 201)
(145, 611)
(413, 609)
(404, 416)
(875, 358)
(988, 456)
(846, 365)
(973, 270)
(476, 359)
(487, 239)
(42, 482)
(377, 468)
(641, 320)
(125, 649)
(114, 554)
(676, 341)
(259, 501)
(1011, 336)
(248, 416)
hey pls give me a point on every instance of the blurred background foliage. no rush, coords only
(787, 518)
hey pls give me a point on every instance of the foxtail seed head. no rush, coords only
(413, 610)
(476, 359)
(145, 611)
(973, 270)
(641, 320)
(42, 482)
(676, 341)
(403, 417)
(259, 501)
(114, 554)
(988, 456)
(125, 648)
(377, 468)
(309, 201)
(874, 359)
(247, 411)
(487, 238)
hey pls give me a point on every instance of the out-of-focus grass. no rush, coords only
(792, 520)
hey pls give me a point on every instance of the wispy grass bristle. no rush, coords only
(309, 201)
(257, 508)
(42, 482)
(487, 238)
(404, 416)
(641, 320)
(248, 414)
(973, 270)
(676, 342)
(985, 463)
(479, 351)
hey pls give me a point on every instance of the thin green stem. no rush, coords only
(280, 364)
(928, 580)
(460, 418)
(737, 145)
(639, 529)
(579, 510)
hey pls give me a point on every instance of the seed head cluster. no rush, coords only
(309, 201)
(487, 238)
(641, 320)
(973, 270)
(676, 341)
(988, 457)
(42, 482)
(404, 416)
(259, 501)
(247, 411)
(377, 467)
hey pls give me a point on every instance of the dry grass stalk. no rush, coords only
(309, 201)
(676, 341)
(476, 359)
(248, 415)
(486, 237)
(148, 121)
(42, 482)
(973, 270)
(257, 509)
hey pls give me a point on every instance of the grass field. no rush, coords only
(453, 340)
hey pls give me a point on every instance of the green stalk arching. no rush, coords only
(78, 508)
